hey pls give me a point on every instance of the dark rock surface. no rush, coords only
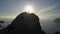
(57, 20)
(24, 23)
(1, 27)
(57, 33)
(2, 22)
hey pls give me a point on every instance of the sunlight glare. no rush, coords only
(29, 9)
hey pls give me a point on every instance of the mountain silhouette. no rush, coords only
(25, 23)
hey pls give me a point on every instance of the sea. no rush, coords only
(48, 25)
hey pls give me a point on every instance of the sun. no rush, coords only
(29, 9)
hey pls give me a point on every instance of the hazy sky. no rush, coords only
(43, 8)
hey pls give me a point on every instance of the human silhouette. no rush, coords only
(25, 23)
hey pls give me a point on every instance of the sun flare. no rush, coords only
(29, 9)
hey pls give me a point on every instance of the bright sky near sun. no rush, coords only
(43, 8)
(29, 9)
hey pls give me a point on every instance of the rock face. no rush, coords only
(57, 20)
(25, 23)
(2, 22)
(57, 33)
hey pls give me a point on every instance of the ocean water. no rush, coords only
(48, 25)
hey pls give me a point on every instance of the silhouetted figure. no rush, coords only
(25, 23)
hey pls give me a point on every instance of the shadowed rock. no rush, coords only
(57, 20)
(2, 22)
(25, 23)
(57, 33)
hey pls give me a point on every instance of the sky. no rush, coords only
(43, 8)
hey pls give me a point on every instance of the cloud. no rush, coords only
(49, 12)
(46, 9)
(7, 16)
